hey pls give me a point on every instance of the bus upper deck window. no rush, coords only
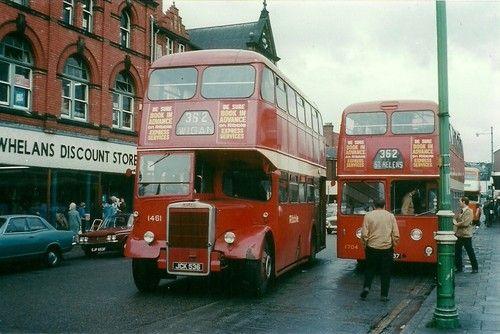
(409, 122)
(267, 85)
(366, 123)
(172, 84)
(235, 81)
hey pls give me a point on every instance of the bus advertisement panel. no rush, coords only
(390, 150)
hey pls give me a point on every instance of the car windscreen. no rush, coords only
(172, 84)
(235, 81)
(121, 220)
(164, 174)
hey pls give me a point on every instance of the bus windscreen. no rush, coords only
(410, 122)
(236, 81)
(371, 123)
(172, 84)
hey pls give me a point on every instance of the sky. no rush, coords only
(344, 52)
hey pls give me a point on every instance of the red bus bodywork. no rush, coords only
(191, 228)
(415, 164)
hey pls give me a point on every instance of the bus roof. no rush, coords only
(389, 105)
(223, 57)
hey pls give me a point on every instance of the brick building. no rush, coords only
(332, 144)
(72, 76)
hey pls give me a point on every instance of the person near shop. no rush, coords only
(477, 215)
(122, 206)
(82, 210)
(489, 213)
(74, 219)
(379, 235)
(407, 208)
(108, 209)
(464, 231)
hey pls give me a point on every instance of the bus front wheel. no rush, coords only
(261, 272)
(146, 275)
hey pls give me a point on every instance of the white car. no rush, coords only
(331, 218)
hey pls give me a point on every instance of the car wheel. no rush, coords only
(146, 275)
(261, 272)
(53, 257)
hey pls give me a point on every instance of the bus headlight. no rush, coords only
(229, 237)
(428, 250)
(149, 237)
(416, 234)
(358, 233)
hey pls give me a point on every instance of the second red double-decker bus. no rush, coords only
(390, 150)
(230, 172)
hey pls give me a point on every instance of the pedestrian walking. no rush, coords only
(379, 235)
(489, 212)
(74, 218)
(464, 232)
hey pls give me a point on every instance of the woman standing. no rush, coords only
(74, 218)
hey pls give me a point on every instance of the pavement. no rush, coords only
(477, 296)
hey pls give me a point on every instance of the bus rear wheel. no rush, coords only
(146, 275)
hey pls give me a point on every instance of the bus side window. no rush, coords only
(283, 187)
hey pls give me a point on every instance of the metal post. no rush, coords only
(445, 314)
(492, 165)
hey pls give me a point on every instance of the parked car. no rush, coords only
(108, 235)
(331, 218)
(27, 237)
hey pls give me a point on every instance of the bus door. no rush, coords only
(357, 198)
(414, 203)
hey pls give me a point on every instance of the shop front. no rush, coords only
(42, 173)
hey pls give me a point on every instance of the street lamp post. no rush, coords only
(492, 159)
(445, 313)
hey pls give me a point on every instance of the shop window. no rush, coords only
(125, 29)
(15, 73)
(123, 102)
(75, 89)
(87, 15)
(67, 15)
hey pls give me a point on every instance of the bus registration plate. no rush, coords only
(188, 266)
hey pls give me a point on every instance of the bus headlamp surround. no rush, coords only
(358, 233)
(416, 234)
(149, 237)
(428, 250)
(229, 237)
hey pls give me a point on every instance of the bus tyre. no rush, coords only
(262, 271)
(146, 275)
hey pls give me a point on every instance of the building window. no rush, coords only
(125, 29)
(75, 90)
(169, 46)
(68, 11)
(123, 102)
(15, 73)
(182, 47)
(87, 15)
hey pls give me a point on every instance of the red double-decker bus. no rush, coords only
(230, 172)
(391, 150)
